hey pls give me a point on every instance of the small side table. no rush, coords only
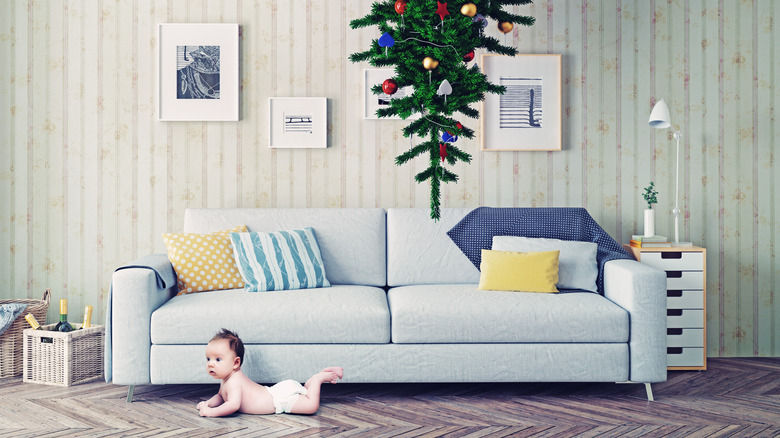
(686, 302)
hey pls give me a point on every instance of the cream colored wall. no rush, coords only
(89, 179)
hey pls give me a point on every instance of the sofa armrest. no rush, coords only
(137, 290)
(641, 290)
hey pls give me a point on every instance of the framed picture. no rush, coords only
(198, 72)
(298, 122)
(372, 102)
(528, 116)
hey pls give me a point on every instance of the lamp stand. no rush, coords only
(676, 210)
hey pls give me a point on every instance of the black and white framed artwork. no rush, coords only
(527, 117)
(198, 78)
(298, 122)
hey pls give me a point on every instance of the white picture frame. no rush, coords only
(518, 120)
(373, 102)
(198, 72)
(298, 122)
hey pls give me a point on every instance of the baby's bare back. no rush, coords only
(255, 398)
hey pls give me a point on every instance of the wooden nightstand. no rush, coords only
(686, 302)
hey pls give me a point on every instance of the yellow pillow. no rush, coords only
(519, 271)
(204, 262)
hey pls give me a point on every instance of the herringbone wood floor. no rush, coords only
(735, 397)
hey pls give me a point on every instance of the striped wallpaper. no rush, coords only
(89, 179)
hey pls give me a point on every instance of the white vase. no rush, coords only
(649, 223)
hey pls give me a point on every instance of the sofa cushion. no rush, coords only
(577, 266)
(420, 252)
(519, 271)
(336, 315)
(460, 313)
(352, 240)
(282, 260)
(203, 262)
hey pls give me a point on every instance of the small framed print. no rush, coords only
(527, 117)
(298, 122)
(373, 102)
(198, 72)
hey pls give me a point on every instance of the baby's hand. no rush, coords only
(203, 403)
(203, 409)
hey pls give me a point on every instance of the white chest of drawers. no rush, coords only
(686, 303)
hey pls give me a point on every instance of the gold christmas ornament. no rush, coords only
(469, 9)
(430, 63)
(505, 26)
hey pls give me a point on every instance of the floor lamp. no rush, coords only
(659, 119)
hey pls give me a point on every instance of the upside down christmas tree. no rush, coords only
(431, 45)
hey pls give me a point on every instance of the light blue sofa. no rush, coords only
(403, 307)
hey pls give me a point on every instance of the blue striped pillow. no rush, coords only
(282, 260)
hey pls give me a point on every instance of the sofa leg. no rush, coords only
(130, 390)
(649, 391)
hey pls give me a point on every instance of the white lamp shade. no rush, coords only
(659, 117)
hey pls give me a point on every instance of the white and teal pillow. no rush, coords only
(281, 260)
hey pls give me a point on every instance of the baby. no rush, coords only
(224, 357)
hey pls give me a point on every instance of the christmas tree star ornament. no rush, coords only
(441, 10)
(446, 54)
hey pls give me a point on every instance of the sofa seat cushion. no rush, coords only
(343, 314)
(460, 313)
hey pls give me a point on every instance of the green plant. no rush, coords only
(430, 45)
(650, 195)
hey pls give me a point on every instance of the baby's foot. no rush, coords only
(338, 370)
(332, 374)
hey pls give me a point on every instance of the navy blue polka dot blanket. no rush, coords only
(475, 231)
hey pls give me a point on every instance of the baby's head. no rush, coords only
(225, 349)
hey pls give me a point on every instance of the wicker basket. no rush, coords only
(63, 359)
(11, 339)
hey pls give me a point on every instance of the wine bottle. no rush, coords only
(87, 318)
(63, 325)
(30, 318)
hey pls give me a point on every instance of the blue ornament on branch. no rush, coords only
(386, 40)
(449, 138)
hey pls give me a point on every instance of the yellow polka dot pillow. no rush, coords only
(204, 262)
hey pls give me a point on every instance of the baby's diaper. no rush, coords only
(285, 393)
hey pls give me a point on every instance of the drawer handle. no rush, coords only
(671, 255)
(674, 350)
(673, 274)
(674, 332)
(674, 312)
(674, 293)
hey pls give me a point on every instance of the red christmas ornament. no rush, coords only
(400, 6)
(442, 10)
(443, 151)
(389, 86)
(468, 56)
(458, 125)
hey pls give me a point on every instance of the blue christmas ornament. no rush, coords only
(386, 40)
(449, 138)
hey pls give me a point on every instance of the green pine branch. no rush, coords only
(421, 33)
